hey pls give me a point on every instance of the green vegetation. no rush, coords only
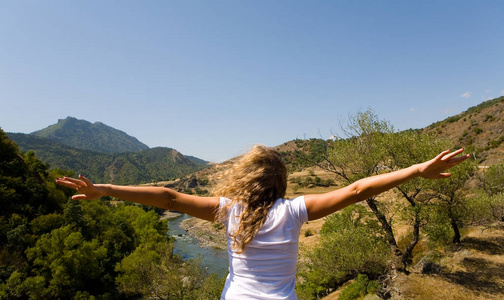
(306, 153)
(351, 243)
(310, 182)
(360, 288)
(54, 248)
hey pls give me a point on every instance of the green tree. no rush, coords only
(451, 193)
(351, 243)
(362, 154)
(152, 271)
(485, 209)
(492, 179)
(405, 149)
(66, 261)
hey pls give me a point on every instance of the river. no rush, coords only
(215, 260)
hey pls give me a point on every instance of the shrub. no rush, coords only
(360, 288)
(351, 243)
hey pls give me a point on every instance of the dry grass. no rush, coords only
(474, 271)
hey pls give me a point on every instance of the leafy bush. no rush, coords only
(351, 243)
(360, 288)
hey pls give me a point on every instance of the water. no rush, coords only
(215, 260)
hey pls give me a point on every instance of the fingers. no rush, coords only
(74, 183)
(449, 155)
(441, 156)
(87, 181)
(83, 186)
(460, 159)
(77, 182)
(68, 183)
(79, 197)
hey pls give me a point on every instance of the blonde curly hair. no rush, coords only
(255, 181)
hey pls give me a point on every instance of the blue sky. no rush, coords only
(211, 78)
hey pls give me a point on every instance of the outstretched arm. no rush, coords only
(321, 205)
(165, 198)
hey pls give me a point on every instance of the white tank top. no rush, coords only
(266, 268)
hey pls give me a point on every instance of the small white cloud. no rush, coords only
(466, 95)
(412, 109)
(488, 91)
(448, 110)
(502, 92)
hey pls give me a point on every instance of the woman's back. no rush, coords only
(266, 268)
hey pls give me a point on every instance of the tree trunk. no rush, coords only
(406, 258)
(385, 225)
(454, 225)
(456, 231)
(383, 221)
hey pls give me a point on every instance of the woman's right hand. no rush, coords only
(86, 189)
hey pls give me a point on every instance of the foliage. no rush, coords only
(311, 182)
(305, 153)
(155, 272)
(492, 179)
(360, 288)
(351, 243)
(67, 262)
(485, 209)
(364, 151)
(451, 196)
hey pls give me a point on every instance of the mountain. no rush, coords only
(97, 136)
(105, 154)
(149, 165)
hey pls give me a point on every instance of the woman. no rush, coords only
(262, 227)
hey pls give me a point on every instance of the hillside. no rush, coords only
(97, 136)
(479, 128)
(149, 165)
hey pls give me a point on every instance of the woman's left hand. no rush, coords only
(436, 167)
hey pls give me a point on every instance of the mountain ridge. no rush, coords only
(104, 153)
(480, 129)
(96, 136)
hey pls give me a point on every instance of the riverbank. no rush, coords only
(167, 215)
(208, 234)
